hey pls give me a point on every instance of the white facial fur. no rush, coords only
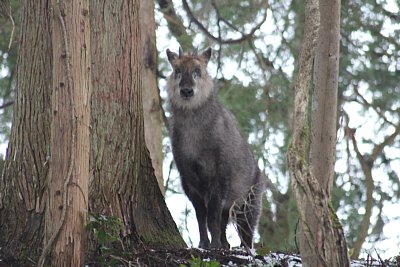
(202, 89)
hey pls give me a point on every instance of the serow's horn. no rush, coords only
(180, 52)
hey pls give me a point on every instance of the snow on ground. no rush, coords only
(235, 257)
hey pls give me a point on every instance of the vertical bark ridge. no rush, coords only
(322, 240)
(123, 181)
(151, 99)
(69, 169)
(23, 181)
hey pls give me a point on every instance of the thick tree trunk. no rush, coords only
(23, 181)
(151, 98)
(276, 228)
(323, 137)
(324, 96)
(123, 181)
(66, 213)
(322, 241)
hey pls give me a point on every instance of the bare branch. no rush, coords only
(6, 104)
(218, 39)
(388, 140)
(366, 103)
(366, 166)
(175, 24)
(367, 162)
(265, 66)
(392, 15)
(219, 36)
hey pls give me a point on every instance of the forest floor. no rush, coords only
(237, 257)
(207, 258)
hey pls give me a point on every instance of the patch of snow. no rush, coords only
(245, 257)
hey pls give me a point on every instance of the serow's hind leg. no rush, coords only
(247, 217)
(224, 223)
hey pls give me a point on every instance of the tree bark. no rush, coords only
(66, 212)
(324, 96)
(123, 181)
(151, 98)
(23, 180)
(276, 228)
(322, 241)
(47, 164)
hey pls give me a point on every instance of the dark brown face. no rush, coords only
(187, 71)
(189, 81)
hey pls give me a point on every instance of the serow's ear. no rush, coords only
(206, 55)
(171, 56)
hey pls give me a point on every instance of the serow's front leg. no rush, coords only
(214, 216)
(201, 215)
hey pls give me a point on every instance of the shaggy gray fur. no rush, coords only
(218, 170)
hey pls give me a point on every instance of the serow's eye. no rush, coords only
(197, 72)
(178, 73)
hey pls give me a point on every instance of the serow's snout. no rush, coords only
(187, 92)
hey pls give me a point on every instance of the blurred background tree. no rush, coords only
(255, 47)
(9, 21)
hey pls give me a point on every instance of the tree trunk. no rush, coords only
(276, 229)
(322, 240)
(367, 162)
(324, 96)
(323, 135)
(151, 98)
(366, 166)
(123, 182)
(66, 213)
(23, 181)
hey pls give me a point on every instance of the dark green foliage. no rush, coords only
(107, 230)
(198, 262)
(245, 102)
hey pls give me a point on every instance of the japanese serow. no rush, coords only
(218, 170)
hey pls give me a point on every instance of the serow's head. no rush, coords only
(189, 84)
